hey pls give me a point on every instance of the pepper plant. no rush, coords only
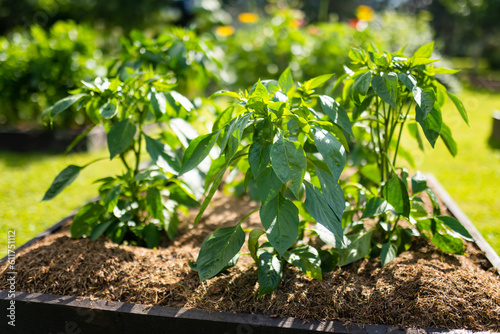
(140, 204)
(291, 143)
(388, 92)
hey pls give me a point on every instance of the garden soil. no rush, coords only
(421, 288)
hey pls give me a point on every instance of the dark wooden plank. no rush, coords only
(40, 313)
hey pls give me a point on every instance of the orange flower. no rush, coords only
(248, 17)
(313, 30)
(353, 23)
(365, 13)
(297, 23)
(224, 31)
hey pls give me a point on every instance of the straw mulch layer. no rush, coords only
(421, 288)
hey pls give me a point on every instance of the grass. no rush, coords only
(473, 177)
(24, 180)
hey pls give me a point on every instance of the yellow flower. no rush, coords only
(365, 13)
(248, 17)
(224, 31)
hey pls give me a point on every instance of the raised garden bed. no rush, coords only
(73, 286)
(45, 140)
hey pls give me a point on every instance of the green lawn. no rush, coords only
(473, 177)
(24, 178)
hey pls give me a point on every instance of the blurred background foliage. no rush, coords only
(47, 47)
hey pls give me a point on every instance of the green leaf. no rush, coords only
(359, 247)
(179, 194)
(434, 200)
(460, 107)
(225, 93)
(223, 118)
(425, 51)
(151, 235)
(259, 156)
(318, 207)
(116, 232)
(337, 114)
(85, 219)
(270, 273)
(253, 243)
(289, 163)
(408, 80)
(317, 81)
(120, 136)
(158, 102)
(62, 180)
(396, 194)
(233, 135)
(62, 105)
(108, 110)
(422, 61)
(456, 227)
(280, 218)
(161, 154)
(211, 193)
(172, 221)
(154, 203)
(431, 124)
(329, 260)
(269, 185)
(99, 229)
(182, 100)
(332, 151)
(357, 55)
(375, 206)
(448, 140)
(415, 133)
(425, 99)
(386, 87)
(418, 183)
(306, 258)
(418, 210)
(360, 86)
(448, 244)
(198, 150)
(333, 194)
(112, 197)
(218, 249)
(388, 253)
(286, 81)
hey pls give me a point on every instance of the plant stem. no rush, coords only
(138, 153)
(381, 163)
(400, 132)
(122, 157)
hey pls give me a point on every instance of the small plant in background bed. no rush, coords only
(29, 79)
(388, 92)
(289, 143)
(175, 51)
(143, 202)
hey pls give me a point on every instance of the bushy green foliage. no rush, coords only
(39, 67)
(388, 92)
(289, 142)
(141, 204)
(176, 51)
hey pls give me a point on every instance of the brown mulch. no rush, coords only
(421, 288)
